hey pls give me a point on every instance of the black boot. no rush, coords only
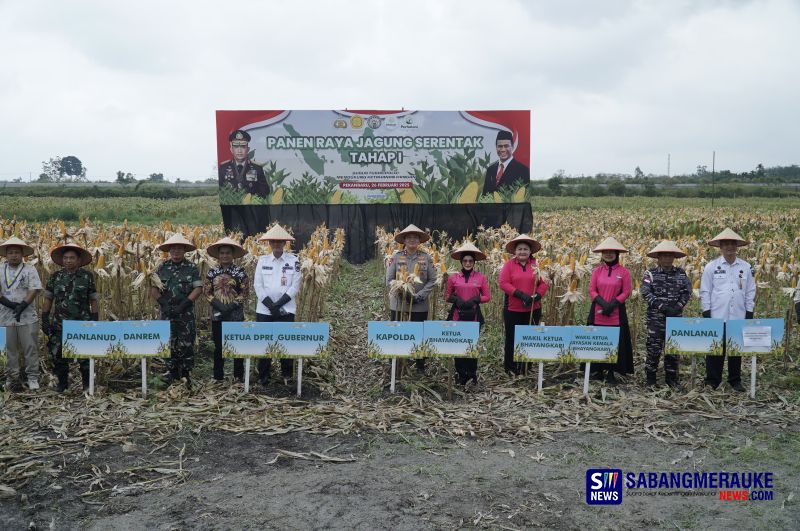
(63, 381)
(85, 377)
(671, 379)
(596, 374)
(651, 379)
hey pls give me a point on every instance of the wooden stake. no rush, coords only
(450, 364)
(586, 378)
(752, 377)
(299, 376)
(541, 377)
(394, 368)
(247, 375)
(144, 377)
(91, 376)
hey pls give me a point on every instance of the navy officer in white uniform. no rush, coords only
(276, 282)
(727, 291)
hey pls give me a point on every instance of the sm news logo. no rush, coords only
(604, 486)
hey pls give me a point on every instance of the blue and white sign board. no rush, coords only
(694, 336)
(542, 343)
(395, 339)
(594, 344)
(451, 338)
(754, 337)
(300, 340)
(247, 340)
(115, 339)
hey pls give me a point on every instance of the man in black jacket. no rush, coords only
(507, 171)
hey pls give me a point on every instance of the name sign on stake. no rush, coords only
(395, 339)
(594, 343)
(115, 339)
(694, 336)
(246, 339)
(451, 338)
(300, 340)
(542, 343)
(754, 336)
(3, 354)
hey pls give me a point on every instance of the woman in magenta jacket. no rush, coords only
(523, 289)
(609, 288)
(466, 291)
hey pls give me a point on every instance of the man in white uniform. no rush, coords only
(727, 291)
(19, 286)
(276, 282)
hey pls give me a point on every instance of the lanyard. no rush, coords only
(13, 280)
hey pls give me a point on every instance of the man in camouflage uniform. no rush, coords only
(71, 294)
(406, 261)
(180, 286)
(667, 290)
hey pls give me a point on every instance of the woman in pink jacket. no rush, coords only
(609, 288)
(524, 290)
(466, 291)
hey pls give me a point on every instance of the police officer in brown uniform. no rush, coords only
(406, 261)
(240, 173)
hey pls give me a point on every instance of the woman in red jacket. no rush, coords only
(524, 290)
(467, 290)
(609, 288)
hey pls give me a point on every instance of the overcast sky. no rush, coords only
(612, 84)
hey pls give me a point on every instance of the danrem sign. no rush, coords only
(340, 157)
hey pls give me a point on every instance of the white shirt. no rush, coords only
(728, 290)
(15, 283)
(275, 276)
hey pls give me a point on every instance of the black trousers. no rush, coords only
(265, 364)
(416, 317)
(511, 319)
(714, 365)
(219, 361)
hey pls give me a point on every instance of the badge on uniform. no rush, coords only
(283, 280)
(297, 266)
(251, 175)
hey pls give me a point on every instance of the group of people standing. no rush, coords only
(71, 294)
(727, 291)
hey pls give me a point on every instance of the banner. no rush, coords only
(694, 336)
(451, 338)
(543, 343)
(394, 339)
(754, 336)
(349, 157)
(3, 353)
(115, 339)
(275, 340)
(594, 343)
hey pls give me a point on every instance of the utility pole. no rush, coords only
(667, 165)
(713, 174)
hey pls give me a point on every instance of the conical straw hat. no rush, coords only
(238, 250)
(610, 244)
(412, 229)
(177, 239)
(57, 254)
(728, 234)
(524, 238)
(467, 247)
(13, 241)
(277, 234)
(666, 246)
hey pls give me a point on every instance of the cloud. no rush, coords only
(612, 85)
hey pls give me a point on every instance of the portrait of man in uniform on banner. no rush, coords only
(240, 173)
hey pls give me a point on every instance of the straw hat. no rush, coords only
(666, 246)
(466, 248)
(610, 244)
(13, 241)
(57, 254)
(277, 234)
(524, 238)
(238, 250)
(400, 237)
(728, 234)
(177, 239)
